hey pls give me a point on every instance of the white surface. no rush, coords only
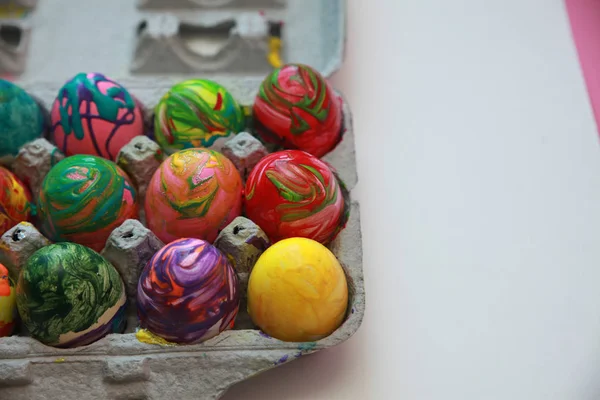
(479, 168)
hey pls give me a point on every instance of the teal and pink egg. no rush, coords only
(68, 296)
(21, 119)
(95, 115)
(188, 292)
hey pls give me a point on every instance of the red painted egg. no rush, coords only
(296, 108)
(291, 193)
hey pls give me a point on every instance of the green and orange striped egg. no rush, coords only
(197, 113)
(83, 199)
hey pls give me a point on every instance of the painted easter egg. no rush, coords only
(197, 113)
(188, 292)
(94, 115)
(296, 108)
(68, 295)
(21, 119)
(291, 193)
(297, 291)
(194, 193)
(15, 201)
(83, 198)
(8, 303)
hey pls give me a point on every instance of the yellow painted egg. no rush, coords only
(297, 291)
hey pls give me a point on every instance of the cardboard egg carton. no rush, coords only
(208, 4)
(119, 366)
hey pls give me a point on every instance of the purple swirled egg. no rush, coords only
(188, 292)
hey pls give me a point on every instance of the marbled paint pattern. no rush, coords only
(83, 198)
(15, 201)
(297, 109)
(69, 295)
(194, 193)
(188, 292)
(291, 193)
(94, 115)
(197, 113)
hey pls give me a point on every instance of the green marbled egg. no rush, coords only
(68, 295)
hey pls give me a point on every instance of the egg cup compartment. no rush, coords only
(15, 36)
(166, 44)
(121, 366)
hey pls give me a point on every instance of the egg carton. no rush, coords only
(119, 366)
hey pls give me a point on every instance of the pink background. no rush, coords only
(585, 23)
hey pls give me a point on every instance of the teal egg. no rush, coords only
(21, 119)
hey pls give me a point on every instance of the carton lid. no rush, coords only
(170, 40)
